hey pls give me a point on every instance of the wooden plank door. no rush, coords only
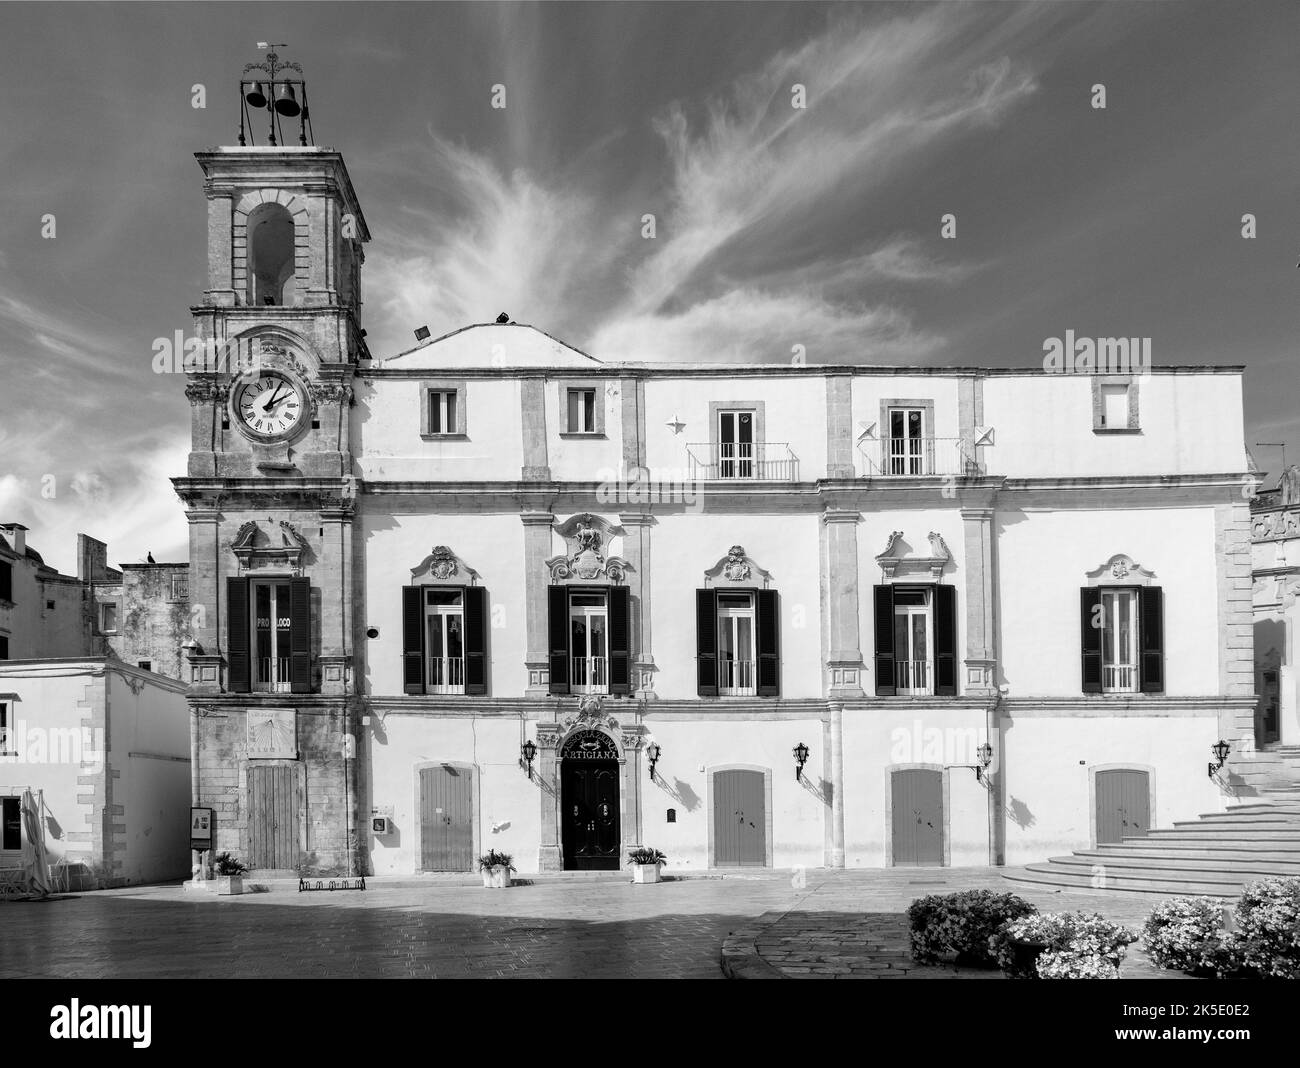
(739, 819)
(446, 819)
(1123, 805)
(917, 804)
(274, 816)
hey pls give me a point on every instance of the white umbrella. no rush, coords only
(35, 858)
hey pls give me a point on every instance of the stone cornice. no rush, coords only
(752, 370)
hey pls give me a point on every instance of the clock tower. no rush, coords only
(270, 498)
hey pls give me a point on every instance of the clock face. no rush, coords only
(270, 405)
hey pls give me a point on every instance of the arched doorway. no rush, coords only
(1123, 799)
(590, 834)
(917, 817)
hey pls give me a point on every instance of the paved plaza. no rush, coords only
(810, 924)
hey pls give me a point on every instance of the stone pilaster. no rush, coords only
(981, 638)
(1236, 622)
(970, 414)
(537, 550)
(636, 551)
(839, 427)
(221, 289)
(836, 856)
(844, 655)
(632, 393)
(204, 584)
(532, 399)
(550, 857)
(332, 576)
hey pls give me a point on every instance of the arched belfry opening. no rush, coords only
(271, 255)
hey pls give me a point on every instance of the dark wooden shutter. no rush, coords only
(476, 623)
(706, 643)
(769, 643)
(884, 616)
(620, 653)
(1090, 637)
(412, 639)
(1152, 635)
(238, 659)
(299, 635)
(945, 641)
(557, 602)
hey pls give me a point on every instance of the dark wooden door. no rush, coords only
(274, 816)
(1123, 805)
(739, 819)
(446, 820)
(590, 817)
(917, 800)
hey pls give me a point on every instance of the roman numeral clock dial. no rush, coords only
(270, 406)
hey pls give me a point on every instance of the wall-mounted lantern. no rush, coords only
(653, 751)
(528, 751)
(801, 758)
(1220, 749)
(985, 754)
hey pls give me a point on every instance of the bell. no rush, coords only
(285, 102)
(255, 97)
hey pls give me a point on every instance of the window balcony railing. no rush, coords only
(917, 457)
(768, 461)
(1118, 678)
(446, 674)
(588, 674)
(912, 677)
(736, 678)
(272, 675)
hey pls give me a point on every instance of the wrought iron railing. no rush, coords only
(767, 461)
(1118, 678)
(588, 674)
(446, 674)
(272, 675)
(917, 457)
(912, 677)
(736, 678)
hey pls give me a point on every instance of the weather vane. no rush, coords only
(279, 97)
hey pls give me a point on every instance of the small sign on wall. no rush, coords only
(201, 827)
(272, 733)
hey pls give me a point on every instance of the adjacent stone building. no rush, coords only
(1275, 570)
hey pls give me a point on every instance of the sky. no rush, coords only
(775, 225)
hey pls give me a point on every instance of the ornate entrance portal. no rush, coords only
(589, 802)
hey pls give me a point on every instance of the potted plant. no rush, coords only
(230, 874)
(496, 868)
(645, 864)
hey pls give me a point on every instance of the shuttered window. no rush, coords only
(268, 635)
(589, 637)
(915, 640)
(1122, 639)
(444, 639)
(737, 643)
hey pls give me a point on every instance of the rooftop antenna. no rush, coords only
(279, 97)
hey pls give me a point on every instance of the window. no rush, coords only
(582, 411)
(4, 647)
(1122, 639)
(108, 618)
(589, 635)
(1114, 404)
(737, 642)
(144, 665)
(442, 411)
(907, 446)
(6, 582)
(444, 640)
(916, 640)
(735, 444)
(180, 588)
(271, 238)
(11, 824)
(6, 743)
(444, 620)
(269, 635)
(49, 606)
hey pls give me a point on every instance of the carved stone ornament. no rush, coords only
(737, 568)
(1120, 570)
(590, 714)
(1275, 526)
(280, 547)
(584, 559)
(330, 392)
(896, 557)
(205, 390)
(443, 565)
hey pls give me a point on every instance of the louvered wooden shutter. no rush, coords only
(884, 618)
(412, 639)
(238, 656)
(945, 641)
(476, 622)
(1091, 621)
(1152, 626)
(769, 643)
(300, 635)
(557, 600)
(706, 643)
(620, 628)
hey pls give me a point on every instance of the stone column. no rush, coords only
(532, 398)
(550, 857)
(204, 587)
(636, 550)
(221, 287)
(840, 588)
(332, 577)
(981, 638)
(537, 549)
(836, 858)
(839, 427)
(1236, 625)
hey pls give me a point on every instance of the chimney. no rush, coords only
(92, 559)
(17, 537)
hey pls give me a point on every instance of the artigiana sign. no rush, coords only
(201, 829)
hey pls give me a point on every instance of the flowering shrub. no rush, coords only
(1268, 914)
(646, 855)
(492, 859)
(961, 923)
(1077, 946)
(1187, 933)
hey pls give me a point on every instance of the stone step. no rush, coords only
(1264, 814)
(1147, 862)
(1248, 831)
(1154, 882)
(1167, 848)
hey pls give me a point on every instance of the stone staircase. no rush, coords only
(1215, 855)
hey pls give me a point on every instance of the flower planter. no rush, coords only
(645, 873)
(496, 878)
(229, 885)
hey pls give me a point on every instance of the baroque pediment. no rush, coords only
(898, 557)
(586, 557)
(276, 546)
(737, 568)
(443, 565)
(1120, 570)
